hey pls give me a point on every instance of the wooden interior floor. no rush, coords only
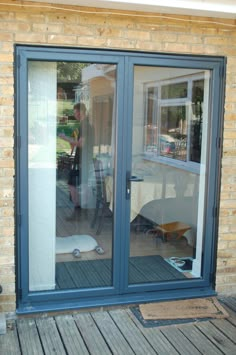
(140, 243)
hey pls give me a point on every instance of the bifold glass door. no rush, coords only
(116, 172)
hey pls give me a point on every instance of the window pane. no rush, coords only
(196, 120)
(151, 117)
(168, 191)
(174, 90)
(71, 140)
(173, 132)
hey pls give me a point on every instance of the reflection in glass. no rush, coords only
(173, 132)
(71, 110)
(170, 112)
(174, 90)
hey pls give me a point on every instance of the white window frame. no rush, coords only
(157, 85)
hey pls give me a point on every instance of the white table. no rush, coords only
(142, 192)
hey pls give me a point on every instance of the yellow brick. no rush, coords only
(189, 39)
(164, 37)
(229, 153)
(228, 143)
(30, 17)
(7, 298)
(116, 21)
(7, 232)
(6, 15)
(7, 47)
(59, 39)
(215, 40)
(228, 187)
(231, 261)
(225, 195)
(6, 80)
(6, 131)
(71, 29)
(7, 153)
(30, 37)
(62, 18)
(6, 69)
(6, 193)
(96, 19)
(7, 163)
(91, 41)
(6, 57)
(14, 26)
(229, 124)
(141, 35)
(148, 46)
(6, 37)
(120, 43)
(222, 245)
(45, 27)
(225, 213)
(176, 47)
(6, 259)
(7, 90)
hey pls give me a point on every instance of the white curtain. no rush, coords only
(42, 81)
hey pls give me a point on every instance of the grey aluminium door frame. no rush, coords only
(120, 292)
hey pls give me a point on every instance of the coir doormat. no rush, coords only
(184, 309)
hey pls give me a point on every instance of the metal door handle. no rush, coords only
(130, 178)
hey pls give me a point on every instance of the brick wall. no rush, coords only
(35, 23)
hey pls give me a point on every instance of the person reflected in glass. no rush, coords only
(82, 144)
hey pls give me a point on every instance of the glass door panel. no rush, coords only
(168, 183)
(71, 140)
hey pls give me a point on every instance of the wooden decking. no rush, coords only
(116, 331)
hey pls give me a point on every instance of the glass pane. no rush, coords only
(196, 120)
(151, 116)
(168, 194)
(174, 90)
(173, 132)
(71, 133)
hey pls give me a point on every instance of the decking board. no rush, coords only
(9, 343)
(50, 337)
(94, 341)
(217, 338)
(71, 336)
(116, 332)
(154, 336)
(29, 337)
(200, 341)
(179, 341)
(133, 336)
(112, 334)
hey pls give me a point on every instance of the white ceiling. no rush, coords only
(212, 8)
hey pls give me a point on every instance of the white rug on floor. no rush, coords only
(68, 244)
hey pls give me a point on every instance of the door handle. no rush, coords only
(135, 178)
(130, 178)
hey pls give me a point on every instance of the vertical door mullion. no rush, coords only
(127, 159)
(118, 186)
(22, 176)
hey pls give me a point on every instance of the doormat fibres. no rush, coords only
(184, 309)
(151, 323)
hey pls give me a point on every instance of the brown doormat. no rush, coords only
(184, 309)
